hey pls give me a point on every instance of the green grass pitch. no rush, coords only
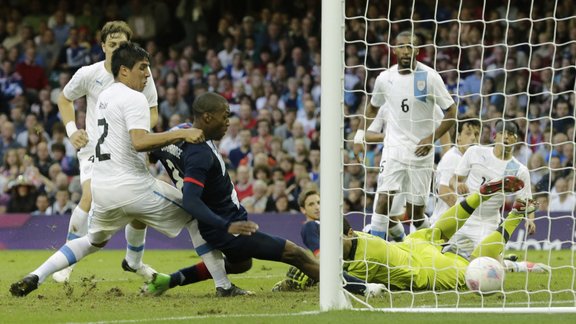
(100, 292)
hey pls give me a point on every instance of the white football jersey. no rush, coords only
(444, 172)
(480, 165)
(90, 81)
(120, 172)
(411, 101)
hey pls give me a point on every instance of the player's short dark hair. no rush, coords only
(471, 122)
(208, 102)
(506, 125)
(304, 195)
(128, 54)
(115, 27)
(409, 33)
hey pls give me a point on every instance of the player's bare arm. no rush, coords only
(370, 138)
(144, 141)
(153, 116)
(78, 137)
(459, 185)
(426, 144)
(447, 194)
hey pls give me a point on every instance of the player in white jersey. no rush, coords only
(122, 187)
(467, 135)
(479, 165)
(411, 92)
(374, 134)
(90, 81)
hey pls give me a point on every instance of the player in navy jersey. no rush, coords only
(209, 196)
(170, 157)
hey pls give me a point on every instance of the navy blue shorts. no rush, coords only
(240, 248)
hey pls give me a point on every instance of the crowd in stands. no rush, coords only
(264, 58)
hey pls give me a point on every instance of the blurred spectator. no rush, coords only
(7, 139)
(10, 170)
(564, 198)
(68, 164)
(22, 196)
(61, 23)
(63, 79)
(59, 136)
(243, 184)
(11, 85)
(555, 172)
(241, 152)
(33, 75)
(537, 167)
(231, 140)
(256, 203)
(141, 21)
(563, 116)
(298, 133)
(308, 117)
(42, 159)
(74, 54)
(48, 49)
(285, 130)
(12, 37)
(226, 55)
(42, 205)
(174, 104)
(62, 204)
(263, 135)
(18, 118)
(88, 18)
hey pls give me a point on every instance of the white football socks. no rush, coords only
(379, 225)
(135, 240)
(213, 259)
(70, 253)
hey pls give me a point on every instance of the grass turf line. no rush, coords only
(101, 292)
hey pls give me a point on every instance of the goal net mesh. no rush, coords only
(511, 60)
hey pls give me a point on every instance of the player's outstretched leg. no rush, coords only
(301, 259)
(493, 244)
(455, 217)
(77, 227)
(161, 282)
(67, 255)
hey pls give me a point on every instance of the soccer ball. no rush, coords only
(485, 276)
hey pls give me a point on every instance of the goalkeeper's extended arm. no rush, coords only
(359, 287)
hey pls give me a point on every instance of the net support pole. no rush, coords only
(331, 140)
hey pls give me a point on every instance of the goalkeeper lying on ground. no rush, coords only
(418, 263)
(406, 260)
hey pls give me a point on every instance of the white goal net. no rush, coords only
(508, 61)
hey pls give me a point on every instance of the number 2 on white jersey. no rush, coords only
(99, 155)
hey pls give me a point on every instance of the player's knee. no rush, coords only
(238, 267)
(99, 245)
(98, 239)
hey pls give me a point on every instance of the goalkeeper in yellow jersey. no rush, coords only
(418, 263)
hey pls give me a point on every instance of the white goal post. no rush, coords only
(456, 30)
